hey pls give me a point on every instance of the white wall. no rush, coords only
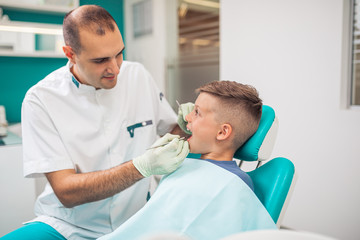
(153, 50)
(18, 194)
(291, 51)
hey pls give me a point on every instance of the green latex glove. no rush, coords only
(165, 159)
(184, 109)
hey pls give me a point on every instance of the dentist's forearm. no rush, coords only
(73, 189)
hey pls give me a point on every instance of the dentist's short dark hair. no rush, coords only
(87, 17)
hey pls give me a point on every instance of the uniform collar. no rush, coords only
(79, 85)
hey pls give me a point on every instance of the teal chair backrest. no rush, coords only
(272, 181)
(260, 145)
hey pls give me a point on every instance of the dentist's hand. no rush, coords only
(165, 159)
(184, 109)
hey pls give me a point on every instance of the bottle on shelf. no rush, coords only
(3, 122)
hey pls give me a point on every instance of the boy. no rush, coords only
(209, 198)
(226, 114)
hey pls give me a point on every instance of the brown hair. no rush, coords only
(90, 17)
(239, 105)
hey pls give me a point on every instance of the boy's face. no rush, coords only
(202, 124)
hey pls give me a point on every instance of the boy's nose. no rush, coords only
(187, 117)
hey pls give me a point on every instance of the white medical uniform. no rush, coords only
(68, 125)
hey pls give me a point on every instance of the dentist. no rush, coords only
(86, 127)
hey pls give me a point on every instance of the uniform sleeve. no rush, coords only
(43, 150)
(166, 117)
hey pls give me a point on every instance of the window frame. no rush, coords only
(349, 55)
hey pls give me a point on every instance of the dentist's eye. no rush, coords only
(99, 61)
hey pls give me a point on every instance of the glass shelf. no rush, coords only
(25, 39)
(38, 54)
(46, 6)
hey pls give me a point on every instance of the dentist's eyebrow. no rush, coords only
(122, 50)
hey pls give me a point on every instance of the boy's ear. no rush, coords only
(224, 132)
(69, 53)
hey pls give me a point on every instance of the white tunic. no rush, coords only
(68, 125)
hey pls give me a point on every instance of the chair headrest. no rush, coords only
(259, 146)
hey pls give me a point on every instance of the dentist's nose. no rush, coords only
(114, 67)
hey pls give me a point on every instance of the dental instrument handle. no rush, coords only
(182, 138)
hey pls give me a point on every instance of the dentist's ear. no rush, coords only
(224, 132)
(69, 53)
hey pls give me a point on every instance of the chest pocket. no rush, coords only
(131, 129)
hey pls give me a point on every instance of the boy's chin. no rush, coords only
(193, 149)
(190, 148)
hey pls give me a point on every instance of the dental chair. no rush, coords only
(274, 181)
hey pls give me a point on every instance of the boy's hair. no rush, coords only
(239, 105)
(90, 17)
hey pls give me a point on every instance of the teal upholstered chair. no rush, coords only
(274, 180)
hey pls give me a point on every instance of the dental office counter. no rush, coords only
(17, 193)
(10, 139)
